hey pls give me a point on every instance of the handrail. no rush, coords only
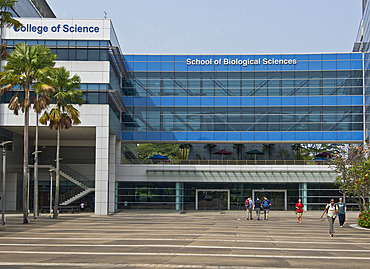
(76, 175)
(69, 194)
(226, 162)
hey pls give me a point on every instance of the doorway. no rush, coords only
(212, 199)
(278, 198)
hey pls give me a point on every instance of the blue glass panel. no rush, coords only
(260, 101)
(316, 136)
(140, 66)
(301, 136)
(275, 136)
(140, 58)
(153, 66)
(154, 58)
(301, 101)
(153, 136)
(140, 101)
(181, 101)
(168, 66)
(194, 136)
(315, 57)
(127, 136)
(81, 43)
(288, 136)
(128, 58)
(104, 43)
(181, 136)
(139, 136)
(301, 57)
(93, 86)
(247, 101)
(207, 136)
(329, 100)
(301, 65)
(167, 136)
(234, 101)
(315, 100)
(357, 136)
(193, 101)
(344, 65)
(221, 101)
(62, 42)
(168, 58)
(329, 56)
(220, 136)
(93, 43)
(357, 100)
(234, 136)
(261, 136)
(344, 56)
(181, 58)
(247, 136)
(153, 101)
(50, 42)
(32, 42)
(167, 101)
(274, 101)
(128, 101)
(356, 56)
(315, 65)
(344, 100)
(181, 66)
(329, 65)
(330, 136)
(345, 136)
(207, 101)
(356, 65)
(287, 101)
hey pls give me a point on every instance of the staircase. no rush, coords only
(83, 187)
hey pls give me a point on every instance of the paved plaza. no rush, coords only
(167, 239)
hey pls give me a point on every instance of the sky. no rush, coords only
(224, 26)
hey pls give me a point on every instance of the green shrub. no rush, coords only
(364, 220)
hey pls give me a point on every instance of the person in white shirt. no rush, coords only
(331, 214)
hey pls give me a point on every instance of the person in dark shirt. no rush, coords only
(257, 207)
(266, 207)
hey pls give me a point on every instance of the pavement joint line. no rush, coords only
(186, 255)
(189, 246)
(186, 239)
(122, 265)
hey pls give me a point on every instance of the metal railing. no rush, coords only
(71, 193)
(76, 175)
(226, 162)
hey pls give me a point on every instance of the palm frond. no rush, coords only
(14, 104)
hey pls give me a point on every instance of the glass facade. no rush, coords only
(244, 98)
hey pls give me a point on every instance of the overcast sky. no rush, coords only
(224, 26)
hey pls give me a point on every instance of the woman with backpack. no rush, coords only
(299, 206)
(331, 214)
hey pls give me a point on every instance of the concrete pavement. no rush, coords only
(197, 239)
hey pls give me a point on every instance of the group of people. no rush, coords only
(257, 205)
(333, 210)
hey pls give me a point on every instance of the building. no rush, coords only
(212, 102)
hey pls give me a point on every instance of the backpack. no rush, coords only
(266, 204)
(247, 202)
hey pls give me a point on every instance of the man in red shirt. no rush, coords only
(299, 206)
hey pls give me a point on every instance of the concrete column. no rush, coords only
(303, 194)
(112, 172)
(102, 169)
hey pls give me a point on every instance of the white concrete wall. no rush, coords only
(225, 173)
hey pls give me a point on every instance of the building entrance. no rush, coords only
(212, 199)
(278, 198)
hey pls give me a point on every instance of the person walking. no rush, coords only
(341, 210)
(299, 206)
(330, 211)
(266, 207)
(82, 206)
(257, 207)
(249, 207)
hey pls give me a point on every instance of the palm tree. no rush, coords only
(63, 115)
(26, 66)
(7, 20)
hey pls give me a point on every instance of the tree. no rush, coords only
(353, 174)
(185, 149)
(63, 115)
(7, 20)
(26, 66)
